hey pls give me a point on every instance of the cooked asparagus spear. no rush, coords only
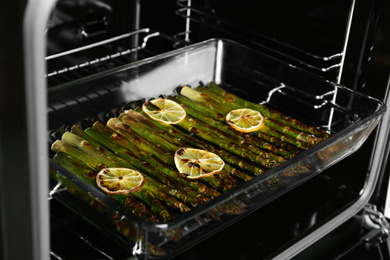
(229, 137)
(140, 142)
(151, 184)
(79, 132)
(273, 118)
(270, 113)
(282, 137)
(153, 204)
(177, 133)
(278, 143)
(83, 145)
(193, 197)
(132, 116)
(102, 134)
(167, 198)
(190, 125)
(143, 131)
(245, 138)
(60, 146)
(155, 138)
(182, 192)
(145, 197)
(81, 170)
(276, 140)
(109, 138)
(139, 209)
(217, 111)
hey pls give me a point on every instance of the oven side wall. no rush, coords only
(15, 208)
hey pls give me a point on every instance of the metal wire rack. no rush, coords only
(139, 44)
(209, 20)
(107, 54)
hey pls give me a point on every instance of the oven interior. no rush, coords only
(278, 28)
(87, 37)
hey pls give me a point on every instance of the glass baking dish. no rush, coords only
(348, 116)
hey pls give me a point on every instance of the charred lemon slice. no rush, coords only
(119, 180)
(164, 110)
(245, 120)
(197, 163)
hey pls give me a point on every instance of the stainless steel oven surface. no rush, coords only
(83, 69)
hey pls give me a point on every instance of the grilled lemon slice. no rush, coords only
(164, 110)
(245, 120)
(197, 163)
(119, 180)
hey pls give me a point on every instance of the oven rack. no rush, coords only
(328, 66)
(119, 50)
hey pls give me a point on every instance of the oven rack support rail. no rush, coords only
(118, 57)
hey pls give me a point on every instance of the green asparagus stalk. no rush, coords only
(193, 197)
(146, 132)
(284, 138)
(154, 188)
(154, 137)
(266, 159)
(60, 146)
(236, 208)
(158, 209)
(82, 171)
(190, 125)
(132, 116)
(229, 137)
(102, 134)
(153, 204)
(146, 191)
(168, 185)
(79, 132)
(179, 134)
(270, 113)
(292, 132)
(155, 165)
(83, 145)
(166, 190)
(218, 111)
(140, 142)
(278, 143)
(150, 185)
(245, 138)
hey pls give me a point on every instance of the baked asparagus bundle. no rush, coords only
(216, 102)
(171, 133)
(136, 140)
(219, 93)
(107, 148)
